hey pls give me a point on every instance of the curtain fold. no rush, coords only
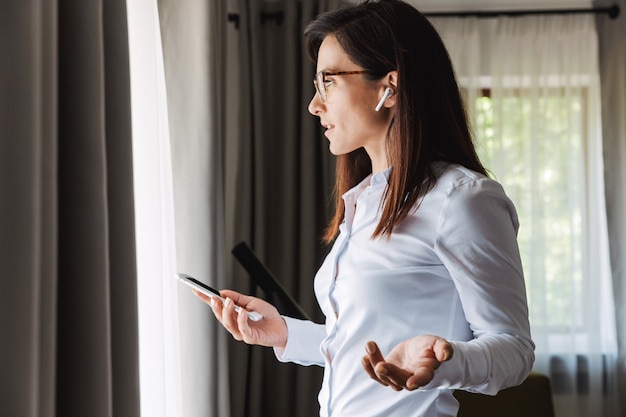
(534, 96)
(612, 33)
(193, 42)
(68, 295)
(28, 207)
(159, 309)
(122, 243)
(282, 176)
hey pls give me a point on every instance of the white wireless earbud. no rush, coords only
(388, 93)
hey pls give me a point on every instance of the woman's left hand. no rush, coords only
(410, 365)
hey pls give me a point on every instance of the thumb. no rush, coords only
(443, 350)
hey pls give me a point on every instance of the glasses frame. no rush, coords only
(320, 79)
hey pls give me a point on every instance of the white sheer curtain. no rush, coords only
(193, 44)
(158, 310)
(533, 91)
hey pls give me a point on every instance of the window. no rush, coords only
(545, 174)
(541, 148)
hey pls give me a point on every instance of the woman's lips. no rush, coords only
(328, 128)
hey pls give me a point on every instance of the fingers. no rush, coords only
(230, 319)
(369, 369)
(410, 365)
(374, 353)
(395, 376)
(238, 299)
(271, 331)
(379, 370)
(243, 325)
(202, 296)
(422, 376)
(443, 350)
(215, 304)
(225, 311)
(370, 361)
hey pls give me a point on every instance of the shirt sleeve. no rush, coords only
(477, 243)
(303, 343)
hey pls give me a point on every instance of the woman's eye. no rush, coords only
(328, 83)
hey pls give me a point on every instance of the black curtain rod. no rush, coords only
(277, 17)
(612, 11)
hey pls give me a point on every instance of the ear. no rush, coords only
(390, 80)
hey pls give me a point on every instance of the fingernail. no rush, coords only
(412, 386)
(381, 370)
(370, 347)
(446, 354)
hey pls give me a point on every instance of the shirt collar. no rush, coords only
(381, 177)
(376, 180)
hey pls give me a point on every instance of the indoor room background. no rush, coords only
(140, 138)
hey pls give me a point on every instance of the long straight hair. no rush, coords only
(430, 122)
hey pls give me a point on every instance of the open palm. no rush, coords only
(409, 365)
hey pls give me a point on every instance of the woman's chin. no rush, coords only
(333, 150)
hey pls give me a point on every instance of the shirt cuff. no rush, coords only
(303, 343)
(468, 369)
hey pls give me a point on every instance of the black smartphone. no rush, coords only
(212, 292)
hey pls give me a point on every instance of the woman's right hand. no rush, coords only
(270, 331)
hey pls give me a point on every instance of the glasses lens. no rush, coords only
(319, 84)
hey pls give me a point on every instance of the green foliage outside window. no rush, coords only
(543, 171)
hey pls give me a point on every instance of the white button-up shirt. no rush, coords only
(451, 268)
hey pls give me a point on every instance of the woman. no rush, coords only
(423, 289)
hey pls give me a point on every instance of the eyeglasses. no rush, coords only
(320, 80)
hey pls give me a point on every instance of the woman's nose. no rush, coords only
(316, 105)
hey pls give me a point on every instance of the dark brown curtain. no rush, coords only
(283, 175)
(68, 315)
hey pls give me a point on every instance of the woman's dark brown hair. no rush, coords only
(430, 123)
